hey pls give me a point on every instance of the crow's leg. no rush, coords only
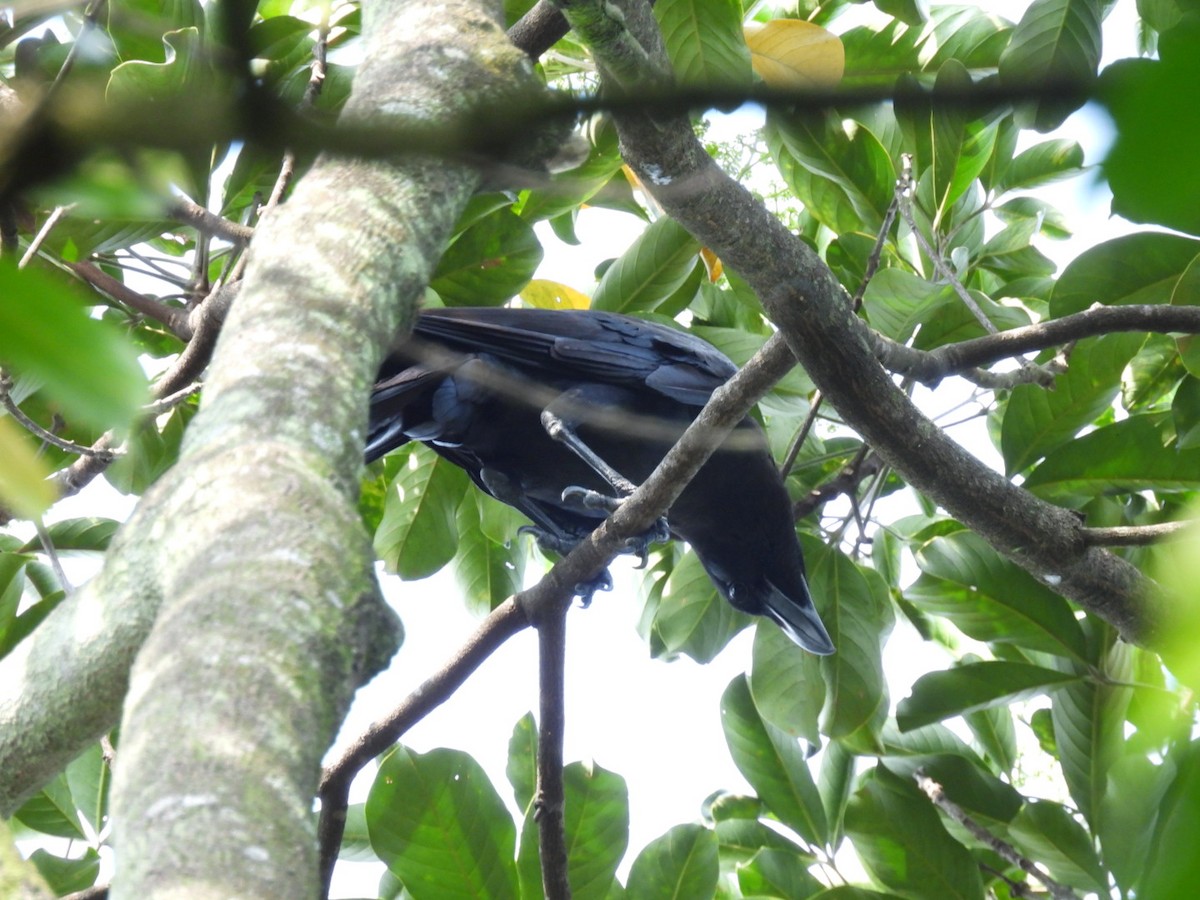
(562, 544)
(559, 419)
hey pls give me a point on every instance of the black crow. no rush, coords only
(485, 388)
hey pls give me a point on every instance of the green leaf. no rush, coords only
(90, 533)
(150, 452)
(991, 599)
(1129, 812)
(681, 863)
(1185, 413)
(53, 811)
(842, 173)
(773, 762)
(704, 41)
(1173, 867)
(858, 622)
(963, 689)
(1136, 268)
(1055, 41)
(1089, 722)
(990, 801)
(596, 823)
(692, 617)
(85, 365)
(1043, 163)
(489, 262)
(903, 844)
(835, 781)
(487, 572)
(522, 760)
(897, 301)
(417, 535)
(440, 826)
(137, 26)
(1156, 104)
(1131, 455)
(23, 485)
(786, 682)
(963, 32)
(1037, 420)
(778, 873)
(993, 729)
(1047, 832)
(650, 271)
(66, 876)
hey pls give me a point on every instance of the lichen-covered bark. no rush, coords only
(241, 591)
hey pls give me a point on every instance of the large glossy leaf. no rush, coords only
(1038, 420)
(787, 685)
(963, 689)
(897, 301)
(1043, 163)
(842, 174)
(681, 863)
(596, 822)
(1055, 41)
(991, 599)
(650, 271)
(962, 32)
(995, 733)
(1173, 866)
(1136, 268)
(489, 262)
(777, 873)
(440, 826)
(1129, 813)
(792, 53)
(1048, 832)
(23, 485)
(418, 534)
(487, 572)
(522, 760)
(1131, 455)
(902, 842)
(773, 762)
(692, 618)
(1153, 104)
(704, 41)
(1089, 723)
(856, 609)
(45, 332)
(951, 148)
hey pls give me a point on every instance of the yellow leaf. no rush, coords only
(712, 263)
(23, 485)
(790, 53)
(552, 295)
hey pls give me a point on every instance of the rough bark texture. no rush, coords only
(243, 584)
(802, 297)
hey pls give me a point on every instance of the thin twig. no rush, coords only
(43, 233)
(52, 554)
(189, 212)
(41, 433)
(175, 318)
(789, 461)
(1004, 849)
(1133, 535)
(158, 407)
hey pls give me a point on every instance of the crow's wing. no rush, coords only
(585, 345)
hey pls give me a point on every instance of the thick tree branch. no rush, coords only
(175, 318)
(930, 366)
(187, 211)
(1133, 535)
(802, 297)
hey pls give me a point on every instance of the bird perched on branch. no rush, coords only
(561, 414)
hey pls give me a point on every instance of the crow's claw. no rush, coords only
(589, 499)
(602, 581)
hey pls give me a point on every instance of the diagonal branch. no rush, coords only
(804, 299)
